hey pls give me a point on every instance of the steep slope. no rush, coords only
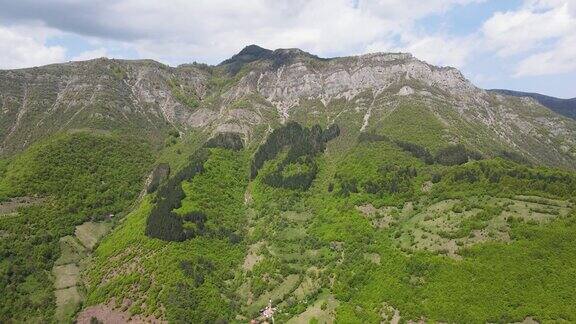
(566, 107)
(61, 183)
(380, 232)
(122, 96)
(259, 88)
(362, 92)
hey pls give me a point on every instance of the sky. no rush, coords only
(526, 45)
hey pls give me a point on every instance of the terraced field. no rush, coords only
(75, 253)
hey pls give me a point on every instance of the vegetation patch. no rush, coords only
(67, 301)
(297, 169)
(82, 176)
(180, 281)
(321, 311)
(184, 94)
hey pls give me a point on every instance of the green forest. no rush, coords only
(73, 178)
(330, 228)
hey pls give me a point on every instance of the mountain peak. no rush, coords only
(254, 50)
(248, 54)
(252, 53)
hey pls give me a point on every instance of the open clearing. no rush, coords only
(67, 300)
(90, 233)
(322, 310)
(66, 270)
(253, 256)
(447, 226)
(12, 205)
(66, 275)
(72, 251)
(390, 314)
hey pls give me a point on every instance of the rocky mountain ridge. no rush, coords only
(259, 88)
(565, 107)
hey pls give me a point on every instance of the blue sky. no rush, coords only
(527, 45)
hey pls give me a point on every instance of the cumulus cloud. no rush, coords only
(25, 47)
(543, 32)
(409, 10)
(514, 32)
(561, 59)
(441, 50)
(91, 54)
(212, 30)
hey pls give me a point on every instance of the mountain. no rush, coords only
(566, 107)
(363, 189)
(259, 87)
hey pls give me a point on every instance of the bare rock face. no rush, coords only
(519, 124)
(405, 91)
(100, 94)
(327, 80)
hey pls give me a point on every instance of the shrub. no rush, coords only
(163, 223)
(231, 141)
(303, 145)
(417, 151)
(455, 154)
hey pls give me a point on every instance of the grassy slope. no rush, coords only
(495, 281)
(462, 291)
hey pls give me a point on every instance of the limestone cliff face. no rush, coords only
(311, 78)
(99, 94)
(258, 89)
(390, 79)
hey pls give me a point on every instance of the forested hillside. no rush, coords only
(67, 181)
(387, 229)
(364, 189)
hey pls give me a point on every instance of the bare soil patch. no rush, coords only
(12, 205)
(66, 275)
(109, 314)
(90, 233)
(379, 217)
(389, 314)
(253, 256)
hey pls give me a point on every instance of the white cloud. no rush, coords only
(535, 34)
(441, 50)
(26, 46)
(561, 59)
(410, 10)
(515, 32)
(540, 36)
(91, 54)
(212, 30)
